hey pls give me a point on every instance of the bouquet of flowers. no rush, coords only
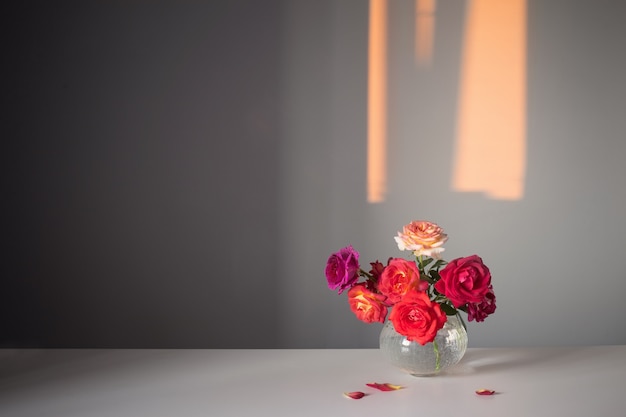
(421, 293)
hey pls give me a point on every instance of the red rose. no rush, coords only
(397, 278)
(464, 280)
(417, 318)
(367, 305)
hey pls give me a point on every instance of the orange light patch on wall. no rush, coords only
(491, 137)
(377, 103)
(424, 31)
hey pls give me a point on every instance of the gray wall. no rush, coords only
(176, 175)
(141, 174)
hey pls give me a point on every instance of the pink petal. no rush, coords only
(384, 387)
(484, 391)
(356, 395)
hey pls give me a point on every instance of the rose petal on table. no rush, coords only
(355, 395)
(384, 387)
(484, 391)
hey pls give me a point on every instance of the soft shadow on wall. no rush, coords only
(140, 175)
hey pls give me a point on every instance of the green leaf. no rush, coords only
(423, 261)
(448, 309)
(434, 275)
(427, 278)
(437, 265)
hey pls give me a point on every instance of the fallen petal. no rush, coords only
(484, 391)
(384, 387)
(356, 395)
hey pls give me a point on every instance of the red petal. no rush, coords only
(356, 395)
(484, 391)
(384, 387)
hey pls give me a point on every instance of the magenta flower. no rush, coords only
(342, 269)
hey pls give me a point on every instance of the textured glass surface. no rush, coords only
(424, 360)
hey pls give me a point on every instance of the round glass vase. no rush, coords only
(430, 359)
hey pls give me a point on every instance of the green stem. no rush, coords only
(365, 274)
(436, 349)
(462, 321)
(420, 260)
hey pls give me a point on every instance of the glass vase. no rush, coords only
(432, 358)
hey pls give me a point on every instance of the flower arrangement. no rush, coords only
(421, 293)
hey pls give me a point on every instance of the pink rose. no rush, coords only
(480, 311)
(367, 305)
(464, 280)
(342, 269)
(422, 237)
(398, 278)
(417, 317)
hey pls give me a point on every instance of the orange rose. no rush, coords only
(367, 305)
(397, 278)
(422, 237)
(417, 317)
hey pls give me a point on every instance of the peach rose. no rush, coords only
(422, 237)
(367, 305)
(417, 317)
(397, 278)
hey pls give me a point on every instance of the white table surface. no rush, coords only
(583, 381)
